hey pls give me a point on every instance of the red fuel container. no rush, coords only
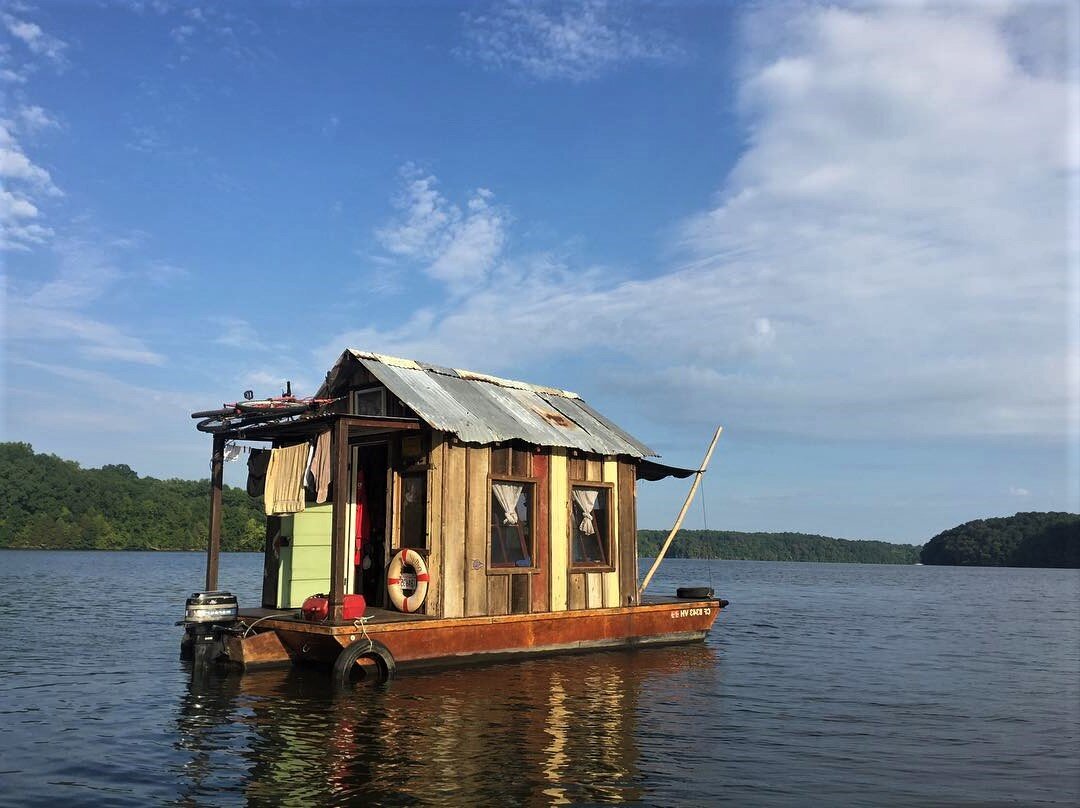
(317, 607)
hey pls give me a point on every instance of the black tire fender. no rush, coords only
(694, 592)
(363, 649)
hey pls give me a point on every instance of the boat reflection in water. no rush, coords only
(543, 731)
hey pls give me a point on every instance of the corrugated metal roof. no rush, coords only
(486, 409)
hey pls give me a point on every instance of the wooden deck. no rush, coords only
(419, 640)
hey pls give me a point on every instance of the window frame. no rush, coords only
(609, 542)
(533, 483)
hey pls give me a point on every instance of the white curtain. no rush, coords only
(586, 500)
(508, 495)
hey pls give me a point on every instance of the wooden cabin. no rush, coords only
(519, 499)
(462, 448)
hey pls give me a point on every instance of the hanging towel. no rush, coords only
(285, 479)
(258, 460)
(320, 467)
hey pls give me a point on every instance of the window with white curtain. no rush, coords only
(590, 527)
(511, 524)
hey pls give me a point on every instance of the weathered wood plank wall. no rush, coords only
(541, 585)
(559, 562)
(627, 572)
(611, 579)
(455, 489)
(477, 462)
(459, 533)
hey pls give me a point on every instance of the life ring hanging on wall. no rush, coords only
(402, 602)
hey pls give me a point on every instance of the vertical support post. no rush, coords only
(340, 540)
(213, 545)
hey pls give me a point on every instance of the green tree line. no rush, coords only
(50, 503)
(732, 545)
(1030, 539)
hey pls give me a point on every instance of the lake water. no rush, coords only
(821, 684)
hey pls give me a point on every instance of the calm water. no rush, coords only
(821, 684)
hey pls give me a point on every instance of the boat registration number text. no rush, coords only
(699, 611)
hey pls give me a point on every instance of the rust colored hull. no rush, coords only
(466, 640)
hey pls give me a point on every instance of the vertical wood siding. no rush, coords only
(594, 590)
(628, 571)
(611, 579)
(541, 595)
(453, 531)
(519, 593)
(477, 462)
(498, 592)
(559, 535)
(577, 597)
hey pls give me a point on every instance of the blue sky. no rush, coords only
(847, 233)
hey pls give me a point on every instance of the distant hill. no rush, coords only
(775, 547)
(1024, 540)
(50, 503)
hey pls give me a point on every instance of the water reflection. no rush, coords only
(539, 732)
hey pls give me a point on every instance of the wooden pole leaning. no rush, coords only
(213, 544)
(682, 513)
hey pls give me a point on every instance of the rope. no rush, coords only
(267, 617)
(705, 526)
(361, 623)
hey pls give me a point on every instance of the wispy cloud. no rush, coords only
(35, 119)
(575, 41)
(887, 257)
(456, 246)
(27, 184)
(238, 333)
(59, 310)
(38, 41)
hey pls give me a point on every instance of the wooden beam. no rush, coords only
(213, 545)
(340, 521)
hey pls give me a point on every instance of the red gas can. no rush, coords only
(317, 607)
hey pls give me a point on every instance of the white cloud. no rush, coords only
(577, 40)
(238, 333)
(24, 180)
(888, 257)
(35, 39)
(34, 119)
(56, 311)
(458, 247)
(1014, 491)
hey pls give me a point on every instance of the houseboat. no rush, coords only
(419, 515)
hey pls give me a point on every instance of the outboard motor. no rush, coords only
(208, 616)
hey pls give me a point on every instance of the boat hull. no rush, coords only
(458, 641)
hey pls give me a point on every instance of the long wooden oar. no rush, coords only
(682, 513)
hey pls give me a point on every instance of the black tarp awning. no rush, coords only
(652, 471)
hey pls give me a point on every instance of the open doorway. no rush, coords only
(370, 466)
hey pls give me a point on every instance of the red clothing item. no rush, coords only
(363, 518)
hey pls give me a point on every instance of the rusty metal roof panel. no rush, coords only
(486, 409)
(580, 411)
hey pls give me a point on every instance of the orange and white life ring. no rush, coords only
(410, 603)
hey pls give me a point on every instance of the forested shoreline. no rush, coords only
(53, 504)
(48, 503)
(737, 546)
(1031, 539)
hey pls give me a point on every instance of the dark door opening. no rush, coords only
(371, 522)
